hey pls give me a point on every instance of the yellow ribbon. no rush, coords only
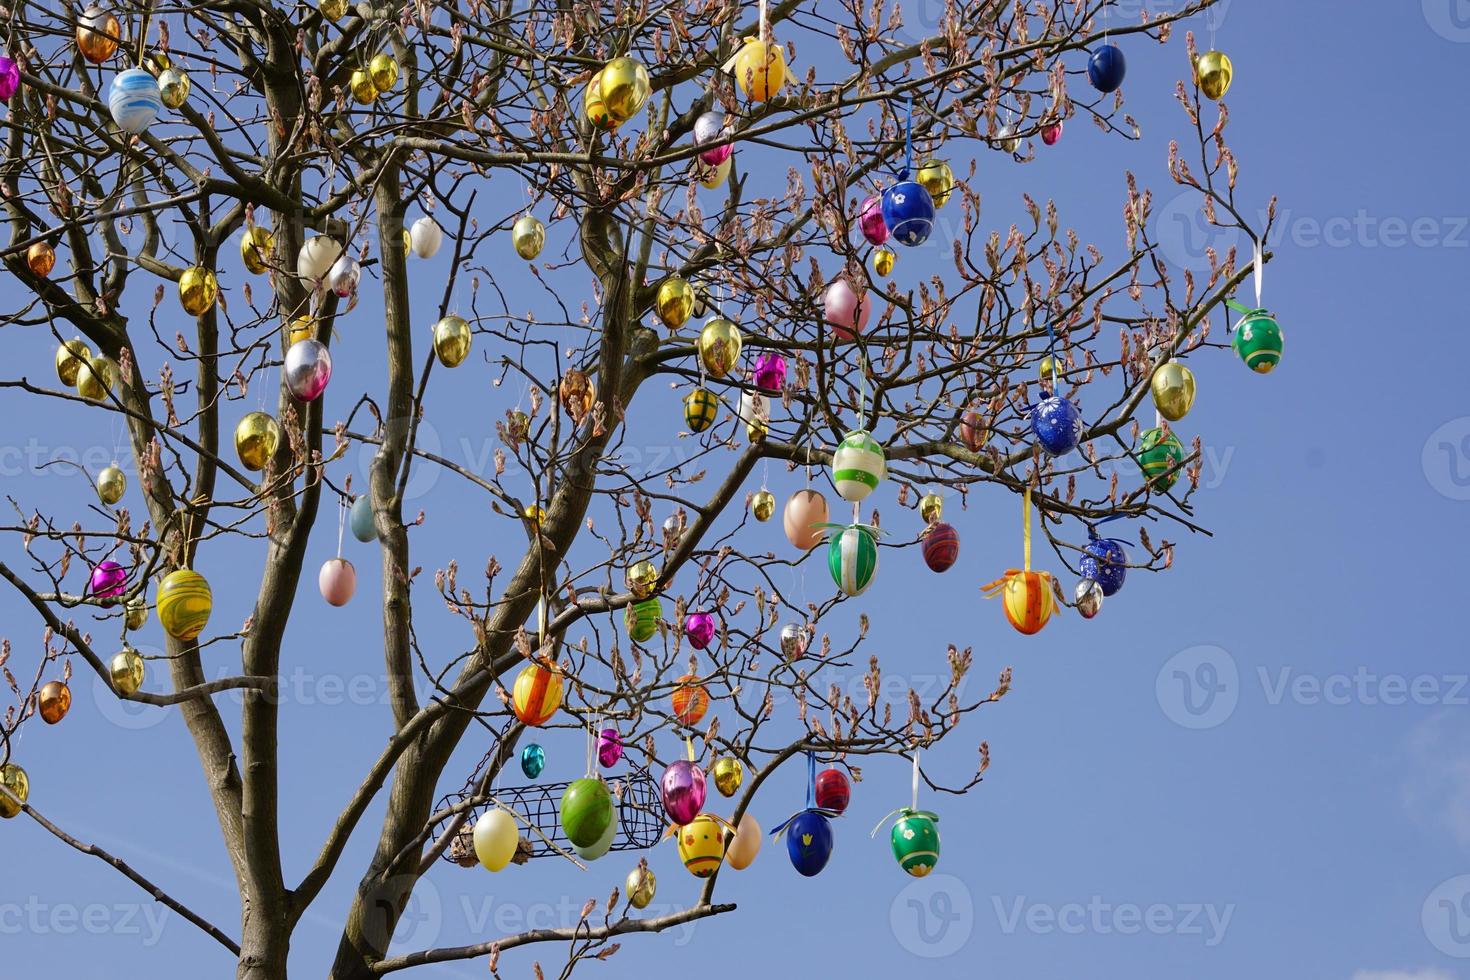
(1026, 524)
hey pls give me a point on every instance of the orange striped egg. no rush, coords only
(691, 700)
(1028, 600)
(537, 693)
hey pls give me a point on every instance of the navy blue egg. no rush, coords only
(908, 211)
(1057, 425)
(1106, 68)
(809, 842)
(1105, 562)
(363, 526)
(533, 760)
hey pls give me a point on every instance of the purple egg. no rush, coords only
(108, 580)
(609, 747)
(871, 219)
(683, 792)
(9, 78)
(770, 372)
(308, 369)
(700, 628)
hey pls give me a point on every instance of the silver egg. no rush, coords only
(793, 641)
(344, 276)
(308, 368)
(1089, 596)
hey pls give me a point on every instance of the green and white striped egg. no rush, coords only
(852, 557)
(858, 466)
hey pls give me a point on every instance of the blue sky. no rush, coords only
(1257, 764)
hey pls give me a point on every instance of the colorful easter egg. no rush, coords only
(53, 701)
(941, 547)
(127, 671)
(908, 211)
(937, 178)
(586, 810)
(452, 340)
(858, 466)
(809, 842)
(746, 843)
(360, 519)
(701, 408)
(852, 558)
(833, 791)
(1106, 68)
(845, 309)
(609, 747)
(108, 580)
(915, 840)
(1213, 71)
(625, 87)
(719, 346)
(1089, 598)
(682, 791)
(702, 845)
(184, 603)
(1161, 456)
(1057, 425)
(1028, 600)
(770, 372)
(674, 302)
(307, 369)
(640, 886)
(1172, 387)
(537, 693)
(1257, 340)
(804, 511)
(257, 437)
(1105, 561)
(699, 627)
(870, 219)
(709, 127)
(134, 100)
(533, 760)
(641, 619)
(603, 844)
(760, 69)
(16, 786)
(690, 700)
(728, 774)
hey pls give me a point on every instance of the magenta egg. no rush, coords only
(870, 218)
(845, 310)
(609, 747)
(1051, 132)
(9, 78)
(770, 372)
(700, 628)
(683, 791)
(108, 580)
(337, 581)
(308, 368)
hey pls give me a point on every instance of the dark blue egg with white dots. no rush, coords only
(908, 211)
(1057, 425)
(1105, 562)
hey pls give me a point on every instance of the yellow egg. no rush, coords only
(937, 178)
(702, 845)
(712, 177)
(452, 340)
(640, 886)
(760, 69)
(931, 508)
(97, 377)
(719, 346)
(1213, 72)
(112, 483)
(675, 302)
(127, 671)
(528, 236)
(1047, 370)
(763, 505)
(184, 603)
(70, 357)
(302, 328)
(384, 72)
(625, 88)
(534, 513)
(883, 259)
(1173, 389)
(14, 779)
(198, 289)
(729, 774)
(257, 438)
(363, 89)
(597, 112)
(173, 87)
(256, 246)
(137, 612)
(333, 10)
(642, 578)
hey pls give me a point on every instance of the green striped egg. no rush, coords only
(1257, 341)
(852, 557)
(701, 408)
(915, 840)
(641, 619)
(1158, 454)
(857, 466)
(184, 603)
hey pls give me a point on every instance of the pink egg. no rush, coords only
(337, 580)
(609, 747)
(1051, 132)
(700, 628)
(109, 579)
(845, 310)
(870, 218)
(770, 372)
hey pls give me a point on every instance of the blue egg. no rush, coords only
(1106, 68)
(908, 211)
(361, 519)
(533, 760)
(1057, 425)
(134, 100)
(809, 842)
(1105, 562)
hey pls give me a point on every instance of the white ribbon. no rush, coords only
(916, 778)
(1260, 265)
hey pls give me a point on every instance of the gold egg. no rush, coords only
(534, 513)
(407, 240)
(198, 289)
(1173, 390)
(173, 87)
(363, 89)
(257, 438)
(41, 258)
(756, 429)
(642, 578)
(518, 425)
(53, 701)
(577, 393)
(763, 505)
(98, 33)
(596, 109)
(641, 885)
(127, 670)
(675, 302)
(256, 246)
(302, 328)
(384, 71)
(452, 340)
(1213, 71)
(931, 508)
(625, 88)
(719, 346)
(938, 179)
(112, 483)
(70, 357)
(333, 10)
(1047, 370)
(14, 779)
(97, 377)
(528, 235)
(157, 61)
(883, 259)
(760, 69)
(729, 774)
(137, 612)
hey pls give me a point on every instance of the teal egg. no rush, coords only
(361, 519)
(533, 760)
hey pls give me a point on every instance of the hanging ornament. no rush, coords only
(702, 844)
(496, 838)
(625, 88)
(931, 508)
(908, 211)
(760, 69)
(1047, 371)
(883, 259)
(257, 437)
(1106, 68)
(537, 693)
(134, 100)
(1105, 561)
(517, 425)
(577, 393)
(763, 505)
(384, 72)
(1161, 456)
(96, 377)
(41, 258)
(256, 246)
(808, 832)
(682, 791)
(793, 641)
(426, 236)
(1051, 132)
(15, 789)
(344, 276)
(690, 700)
(674, 302)
(870, 220)
(108, 580)
(1213, 72)
(533, 760)
(364, 92)
(70, 356)
(9, 78)
(833, 790)
(713, 177)
(307, 369)
(1026, 595)
(173, 87)
(609, 747)
(1008, 138)
(534, 513)
(137, 612)
(452, 339)
(1173, 390)
(111, 485)
(719, 346)
(858, 466)
(642, 578)
(746, 844)
(596, 108)
(770, 372)
(729, 774)
(98, 34)
(528, 236)
(915, 838)
(184, 603)
(805, 519)
(362, 520)
(938, 179)
(941, 546)
(852, 558)
(708, 128)
(699, 627)
(600, 846)
(337, 581)
(1257, 340)
(701, 408)
(53, 701)
(316, 258)
(640, 886)
(641, 619)
(332, 10)
(845, 310)
(127, 672)
(1089, 597)
(1057, 425)
(755, 412)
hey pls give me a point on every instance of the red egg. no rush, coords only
(941, 547)
(833, 790)
(1051, 132)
